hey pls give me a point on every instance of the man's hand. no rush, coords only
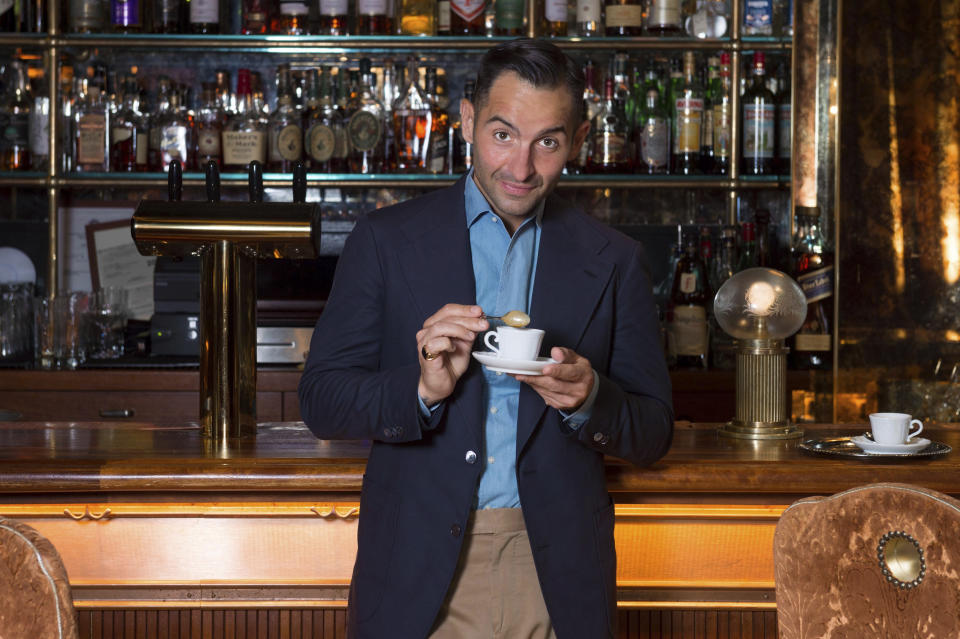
(448, 336)
(564, 385)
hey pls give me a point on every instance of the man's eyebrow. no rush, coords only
(552, 130)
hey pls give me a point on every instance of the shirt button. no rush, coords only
(471, 457)
(455, 530)
(490, 459)
(493, 410)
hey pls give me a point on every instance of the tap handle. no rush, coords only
(175, 181)
(299, 182)
(255, 181)
(213, 181)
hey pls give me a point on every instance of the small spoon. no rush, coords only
(516, 319)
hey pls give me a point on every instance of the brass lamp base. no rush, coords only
(760, 430)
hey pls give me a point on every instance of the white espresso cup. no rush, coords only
(521, 344)
(893, 428)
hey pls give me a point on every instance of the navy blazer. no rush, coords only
(592, 294)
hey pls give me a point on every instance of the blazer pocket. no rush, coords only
(376, 532)
(604, 519)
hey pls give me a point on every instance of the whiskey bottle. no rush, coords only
(592, 104)
(813, 270)
(722, 116)
(509, 17)
(167, 16)
(418, 17)
(589, 18)
(555, 18)
(412, 125)
(609, 135)
(177, 134)
(653, 131)
(40, 125)
(126, 16)
(205, 16)
(92, 127)
(664, 18)
(372, 17)
(439, 124)
(689, 298)
(245, 134)
(443, 17)
(324, 127)
(759, 122)
(129, 133)
(461, 156)
(784, 121)
(210, 120)
(688, 117)
(291, 18)
(624, 18)
(285, 132)
(86, 16)
(712, 94)
(334, 15)
(467, 17)
(393, 75)
(364, 124)
(15, 121)
(256, 18)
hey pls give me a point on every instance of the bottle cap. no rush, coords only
(749, 231)
(243, 82)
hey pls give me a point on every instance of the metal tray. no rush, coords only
(843, 447)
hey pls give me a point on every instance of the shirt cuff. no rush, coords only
(579, 418)
(427, 411)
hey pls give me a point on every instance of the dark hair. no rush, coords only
(538, 62)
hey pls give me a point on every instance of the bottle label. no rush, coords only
(758, 17)
(665, 13)
(588, 11)
(556, 10)
(468, 10)
(688, 283)
(5, 5)
(611, 149)
(721, 130)
(509, 14)
(817, 285)
(288, 144)
(689, 330)
(812, 342)
(654, 139)
(321, 141)
(443, 15)
(372, 7)
(16, 133)
(758, 130)
(141, 157)
(689, 115)
(173, 143)
(125, 13)
(91, 139)
(437, 162)
(118, 135)
(784, 124)
(208, 143)
(243, 147)
(204, 12)
(333, 7)
(40, 127)
(364, 131)
(624, 15)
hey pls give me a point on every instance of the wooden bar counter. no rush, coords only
(156, 529)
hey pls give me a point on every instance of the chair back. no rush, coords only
(35, 599)
(881, 560)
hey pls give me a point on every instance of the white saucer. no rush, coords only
(515, 366)
(870, 446)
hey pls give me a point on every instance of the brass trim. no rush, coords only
(87, 514)
(901, 559)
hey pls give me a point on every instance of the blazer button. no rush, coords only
(455, 530)
(597, 437)
(386, 432)
(471, 457)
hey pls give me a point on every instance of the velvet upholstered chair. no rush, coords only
(881, 560)
(35, 601)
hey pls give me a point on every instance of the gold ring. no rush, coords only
(427, 355)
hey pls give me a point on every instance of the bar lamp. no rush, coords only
(761, 307)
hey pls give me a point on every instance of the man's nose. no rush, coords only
(521, 163)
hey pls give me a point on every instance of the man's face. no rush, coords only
(522, 136)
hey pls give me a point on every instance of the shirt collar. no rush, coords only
(476, 204)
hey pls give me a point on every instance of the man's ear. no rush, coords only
(578, 138)
(466, 120)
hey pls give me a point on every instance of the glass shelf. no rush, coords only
(30, 40)
(23, 178)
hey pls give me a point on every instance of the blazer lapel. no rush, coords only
(570, 280)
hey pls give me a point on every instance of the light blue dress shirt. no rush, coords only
(504, 268)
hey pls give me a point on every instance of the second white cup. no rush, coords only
(515, 343)
(894, 428)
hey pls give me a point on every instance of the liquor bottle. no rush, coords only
(688, 118)
(784, 121)
(86, 16)
(291, 18)
(764, 249)
(372, 17)
(129, 133)
(439, 123)
(609, 136)
(285, 132)
(759, 122)
(418, 17)
(748, 246)
(589, 18)
(664, 18)
(689, 298)
(555, 18)
(443, 17)
(813, 270)
(226, 97)
(592, 104)
(705, 251)
(15, 111)
(256, 18)
(40, 125)
(712, 95)
(245, 134)
(92, 126)
(205, 16)
(758, 17)
(722, 346)
(259, 100)
(393, 74)
(167, 16)
(462, 154)
(177, 133)
(364, 124)
(782, 26)
(412, 125)
(324, 127)
(164, 89)
(210, 120)
(126, 16)
(722, 117)
(509, 17)
(653, 131)
(10, 18)
(623, 17)
(334, 17)
(467, 17)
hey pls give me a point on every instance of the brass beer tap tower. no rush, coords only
(228, 237)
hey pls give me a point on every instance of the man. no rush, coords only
(484, 510)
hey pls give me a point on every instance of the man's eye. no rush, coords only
(550, 143)
(501, 135)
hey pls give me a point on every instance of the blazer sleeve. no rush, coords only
(632, 416)
(343, 393)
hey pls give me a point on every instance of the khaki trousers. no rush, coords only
(495, 593)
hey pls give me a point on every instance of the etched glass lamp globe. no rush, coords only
(761, 307)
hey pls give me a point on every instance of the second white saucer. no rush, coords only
(870, 446)
(514, 366)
